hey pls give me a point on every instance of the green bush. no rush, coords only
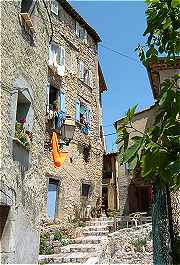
(44, 248)
(139, 244)
(57, 236)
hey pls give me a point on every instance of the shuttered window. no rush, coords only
(77, 110)
(85, 36)
(62, 56)
(62, 101)
(81, 70)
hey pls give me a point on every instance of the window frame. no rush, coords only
(55, 9)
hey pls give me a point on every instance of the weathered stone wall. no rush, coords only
(130, 246)
(23, 67)
(141, 122)
(75, 169)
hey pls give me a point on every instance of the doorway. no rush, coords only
(52, 198)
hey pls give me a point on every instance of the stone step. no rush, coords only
(96, 228)
(76, 257)
(83, 247)
(95, 233)
(90, 240)
(96, 223)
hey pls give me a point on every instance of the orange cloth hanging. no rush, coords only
(58, 156)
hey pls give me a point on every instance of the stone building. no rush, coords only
(35, 88)
(134, 195)
(24, 51)
(76, 83)
(158, 72)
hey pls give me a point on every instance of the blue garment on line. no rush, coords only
(59, 117)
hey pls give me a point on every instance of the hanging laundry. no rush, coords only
(58, 156)
(61, 70)
(59, 117)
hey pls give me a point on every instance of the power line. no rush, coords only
(120, 53)
(109, 134)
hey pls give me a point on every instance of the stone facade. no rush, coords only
(79, 168)
(132, 190)
(23, 92)
(28, 27)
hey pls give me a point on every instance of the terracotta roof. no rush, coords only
(69, 9)
(153, 72)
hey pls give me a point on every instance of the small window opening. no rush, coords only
(27, 6)
(52, 197)
(22, 126)
(86, 153)
(53, 99)
(4, 211)
(85, 190)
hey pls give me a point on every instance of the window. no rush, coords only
(83, 113)
(85, 190)
(81, 33)
(52, 198)
(62, 56)
(23, 124)
(54, 7)
(85, 74)
(57, 58)
(56, 99)
(56, 107)
(27, 6)
(83, 116)
(81, 70)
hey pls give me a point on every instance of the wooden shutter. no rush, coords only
(88, 115)
(81, 70)
(62, 101)
(77, 110)
(62, 56)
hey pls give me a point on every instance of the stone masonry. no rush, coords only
(76, 170)
(24, 78)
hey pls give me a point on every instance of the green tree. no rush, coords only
(157, 150)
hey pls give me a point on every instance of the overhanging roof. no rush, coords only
(153, 70)
(69, 9)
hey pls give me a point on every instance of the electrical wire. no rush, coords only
(120, 53)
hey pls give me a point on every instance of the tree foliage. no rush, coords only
(157, 150)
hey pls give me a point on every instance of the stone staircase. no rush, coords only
(86, 249)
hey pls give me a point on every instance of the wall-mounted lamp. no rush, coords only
(67, 129)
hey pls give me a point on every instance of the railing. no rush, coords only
(131, 220)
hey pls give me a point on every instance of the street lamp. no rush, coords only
(67, 129)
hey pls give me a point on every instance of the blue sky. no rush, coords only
(120, 25)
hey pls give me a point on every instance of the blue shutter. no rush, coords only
(88, 115)
(77, 110)
(62, 101)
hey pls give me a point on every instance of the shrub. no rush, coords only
(44, 248)
(57, 236)
(139, 244)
